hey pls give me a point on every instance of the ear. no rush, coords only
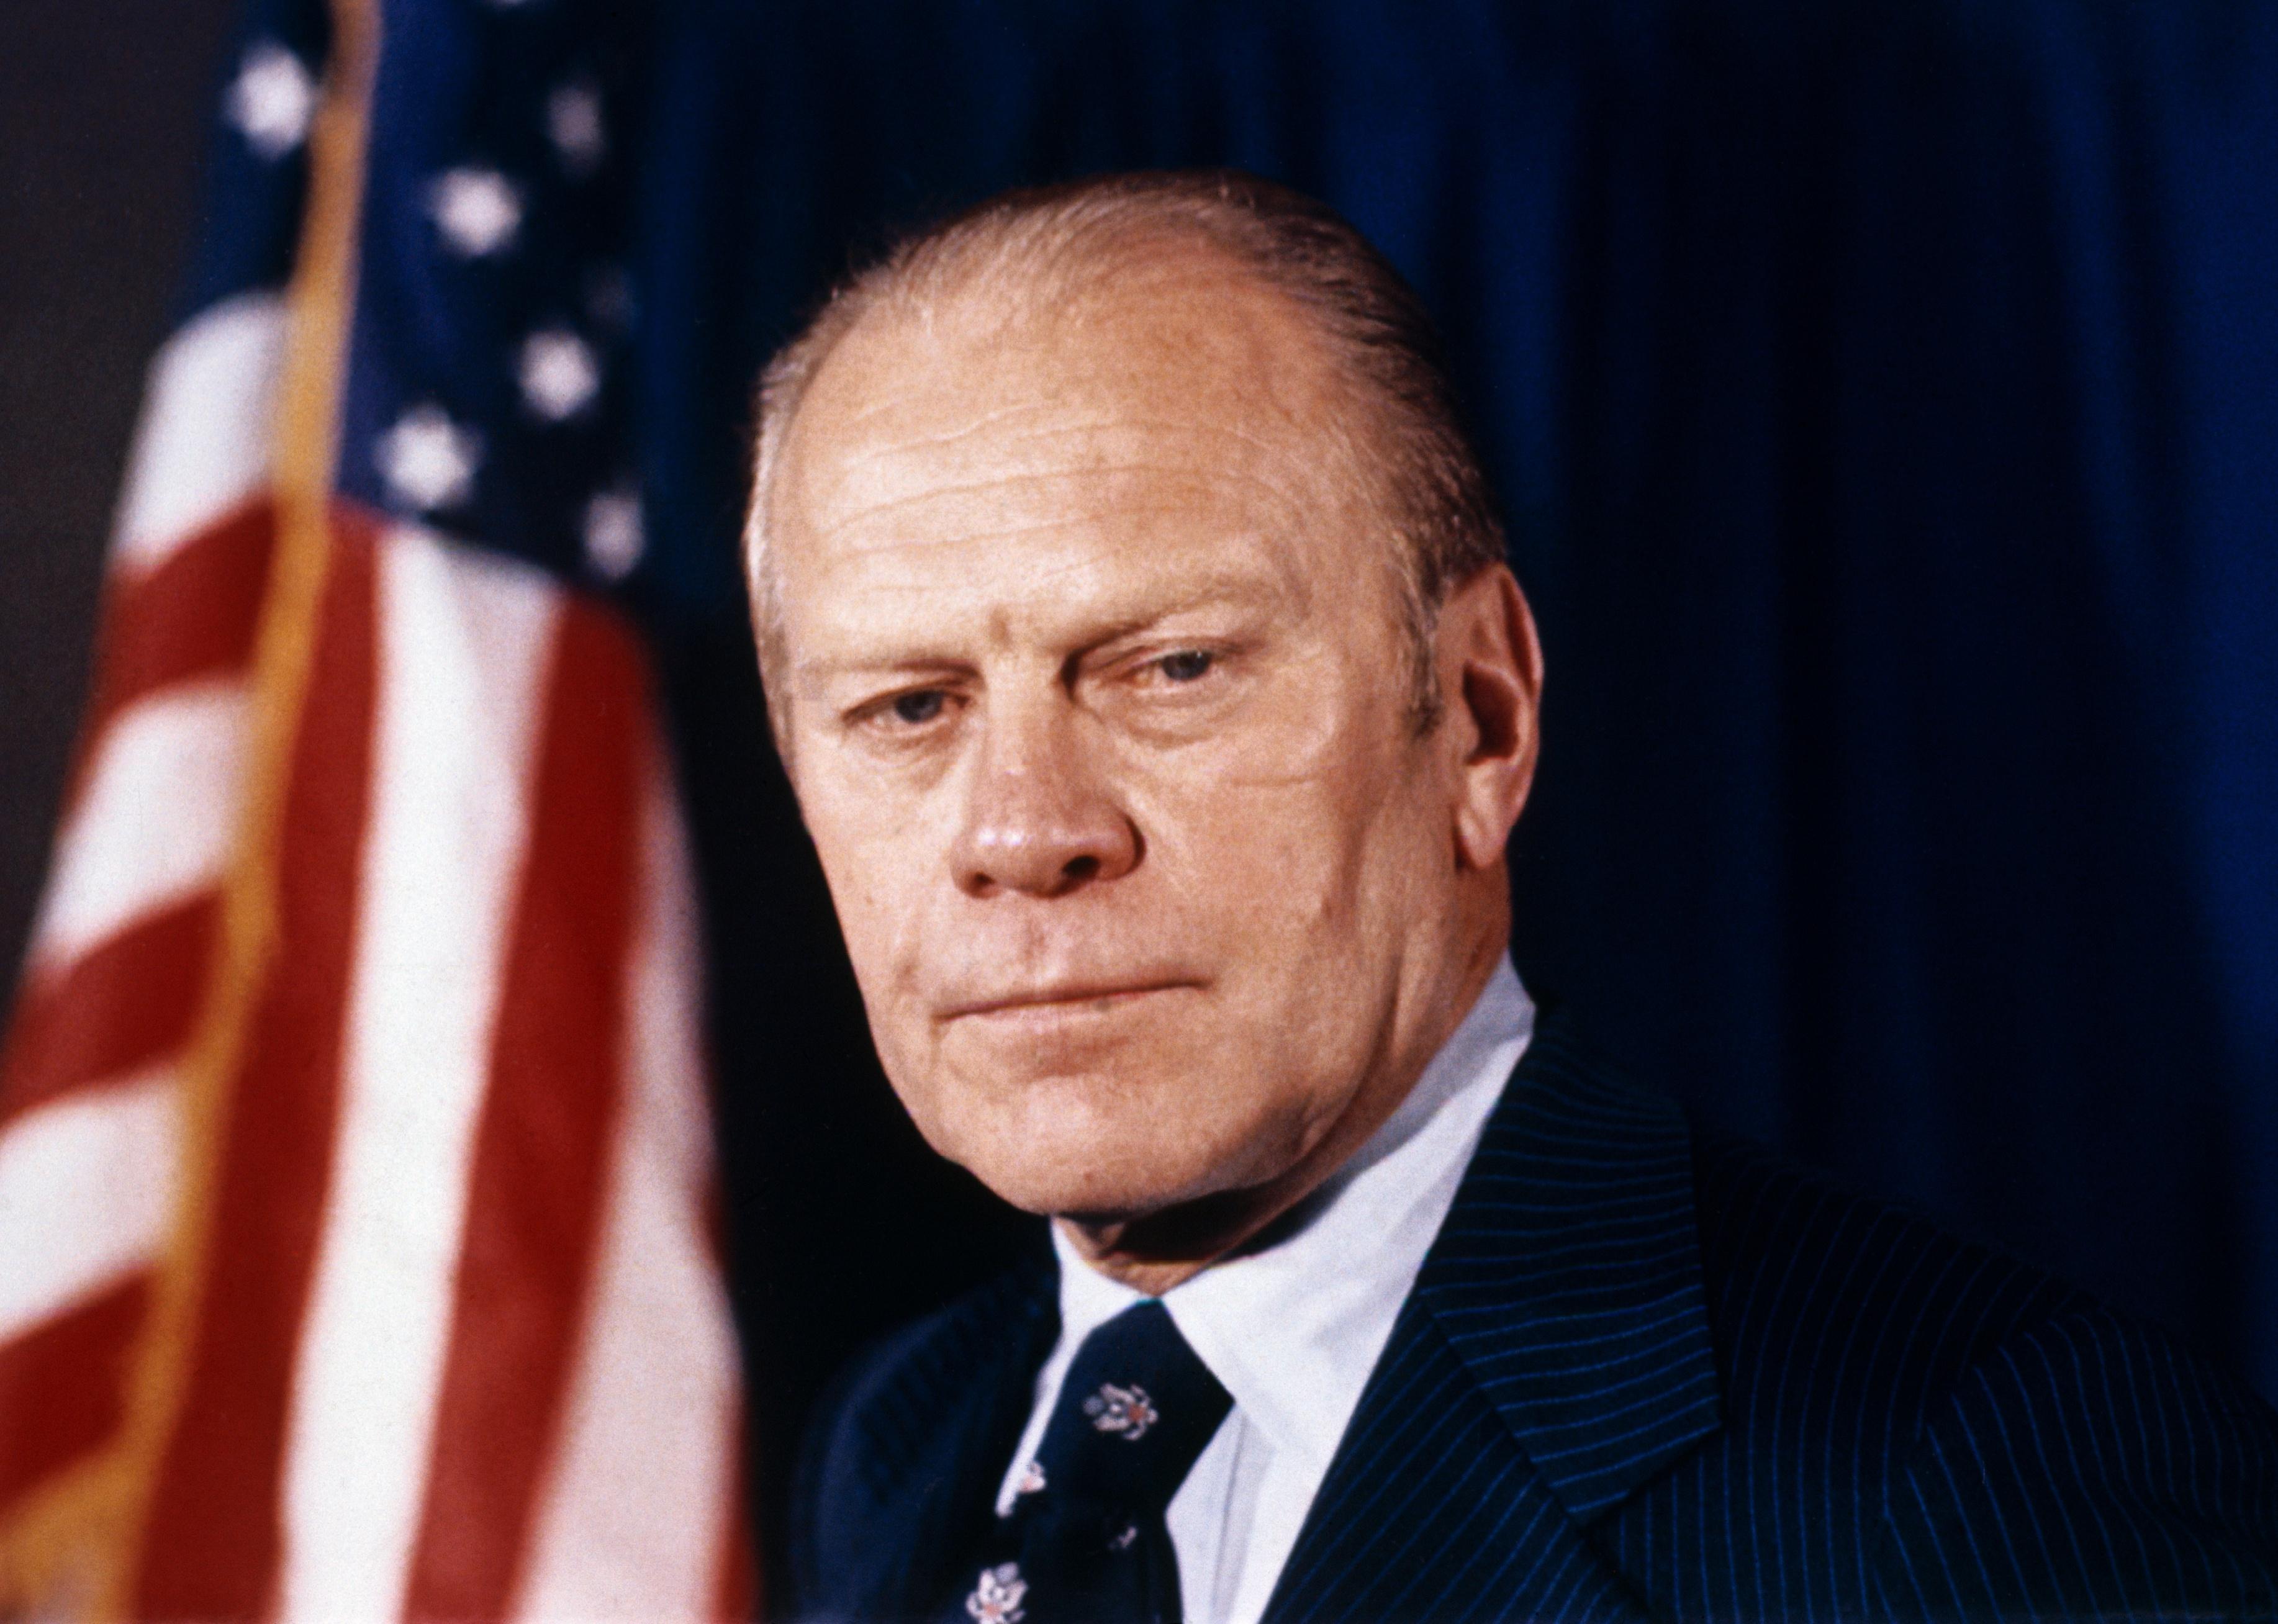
(1490, 671)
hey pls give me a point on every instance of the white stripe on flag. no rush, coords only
(202, 445)
(154, 822)
(86, 1184)
(464, 644)
(633, 1521)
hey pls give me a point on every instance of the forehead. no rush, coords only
(1178, 380)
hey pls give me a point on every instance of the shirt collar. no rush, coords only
(1292, 1329)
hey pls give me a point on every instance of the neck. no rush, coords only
(1156, 1251)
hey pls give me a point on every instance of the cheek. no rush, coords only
(1281, 827)
(879, 865)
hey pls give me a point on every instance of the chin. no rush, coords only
(1075, 1148)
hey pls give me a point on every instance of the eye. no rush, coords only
(918, 708)
(1186, 664)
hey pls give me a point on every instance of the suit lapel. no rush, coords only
(1554, 1356)
(938, 1441)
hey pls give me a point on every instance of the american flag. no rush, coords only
(356, 1204)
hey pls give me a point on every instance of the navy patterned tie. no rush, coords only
(1085, 1541)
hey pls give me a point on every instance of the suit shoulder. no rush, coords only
(1832, 1310)
(2093, 1436)
(1844, 1324)
(1913, 1424)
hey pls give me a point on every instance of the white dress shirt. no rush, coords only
(1293, 1330)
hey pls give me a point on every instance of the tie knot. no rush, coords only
(1136, 1409)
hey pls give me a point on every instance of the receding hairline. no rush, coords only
(1187, 318)
(1027, 280)
(1065, 282)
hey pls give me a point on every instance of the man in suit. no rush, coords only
(1139, 642)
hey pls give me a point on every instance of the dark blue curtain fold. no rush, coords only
(1885, 398)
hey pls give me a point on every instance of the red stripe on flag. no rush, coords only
(736, 1586)
(194, 616)
(63, 1386)
(122, 1006)
(212, 1541)
(537, 1187)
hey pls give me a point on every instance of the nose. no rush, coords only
(1039, 822)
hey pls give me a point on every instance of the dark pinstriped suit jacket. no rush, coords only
(1646, 1372)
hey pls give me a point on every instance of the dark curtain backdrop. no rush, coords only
(1885, 398)
(1885, 395)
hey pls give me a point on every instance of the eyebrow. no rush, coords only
(1245, 589)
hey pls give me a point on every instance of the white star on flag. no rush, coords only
(614, 537)
(428, 460)
(271, 100)
(559, 375)
(573, 121)
(477, 210)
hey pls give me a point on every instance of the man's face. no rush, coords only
(1094, 699)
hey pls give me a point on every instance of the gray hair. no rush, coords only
(1051, 240)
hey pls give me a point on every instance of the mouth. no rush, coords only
(1065, 1001)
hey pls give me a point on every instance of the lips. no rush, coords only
(1067, 997)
